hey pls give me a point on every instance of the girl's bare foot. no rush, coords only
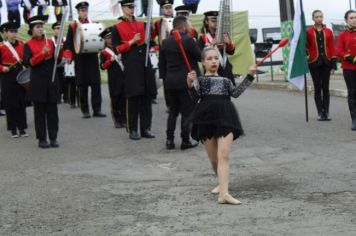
(228, 199)
(216, 190)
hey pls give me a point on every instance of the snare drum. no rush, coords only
(23, 78)
(69, 69)
(87, 39)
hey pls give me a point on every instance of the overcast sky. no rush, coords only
(333, 9)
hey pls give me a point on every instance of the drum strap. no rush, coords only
(117, 57)
(13, 51)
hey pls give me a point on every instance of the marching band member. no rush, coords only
(207, 39)
(215, 120)
(87, 71)
(39, 55)
(128, 36)
(172, 69)
(162, 29)
(347, 51)
(322, 62)
(2, 37)
(112, 63)
(13, 94)
(185, 11)
(58, 11)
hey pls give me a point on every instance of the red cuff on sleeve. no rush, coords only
(123, 48)
(68, 54)
(106, 64)
(230, 47)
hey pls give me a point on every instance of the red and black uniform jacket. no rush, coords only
(139, 80)
(13, 94)
(41, 89)
(346, 48)
(86, 64)
(115, 73)
(321, 49)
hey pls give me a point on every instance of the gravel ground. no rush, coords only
(293, 177)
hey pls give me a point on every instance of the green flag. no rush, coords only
(298, 60)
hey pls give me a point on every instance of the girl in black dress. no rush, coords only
(215, 119)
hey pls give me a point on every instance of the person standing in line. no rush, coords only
(322, 62)
(128, 38)
(87, 72)
(192, 4)
(173, 70)
(208, 39)
(13, 12)
(43, 92)
(13, 94)
(347, 52)
(112, 62)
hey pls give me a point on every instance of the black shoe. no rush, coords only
(147, 134)
(189, 144)
(14, 134)
(170, 144)
(134, 135)
(23, 133)
(43, 144)
(320, 116)
(326, 116)
(119, 125)
(99, 114)
(353, 126)
(72, 106)
(86, 115)
(54, 143)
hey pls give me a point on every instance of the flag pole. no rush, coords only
(306, 99)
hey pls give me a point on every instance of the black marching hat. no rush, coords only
(127, 2)
(36, 20)
(3, 26)
(56, 24)
(166, 2)
(211, 14)
(83, 4)
(182, 10)
(106, 32)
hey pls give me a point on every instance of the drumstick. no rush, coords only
(178, 39)
(249, 79)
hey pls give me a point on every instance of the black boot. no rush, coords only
(170, 144)
(188, 144)
(352, 107)
(43, 144)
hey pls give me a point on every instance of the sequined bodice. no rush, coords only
(214, 85)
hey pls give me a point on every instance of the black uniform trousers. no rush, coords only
(70, 92)
(118, 108)
(16, 119)
(350, 80)
(139, 107)
(181, 103)
(95, 97)
(321, 80)
(46, 118)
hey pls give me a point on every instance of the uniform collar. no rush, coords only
(123, 18)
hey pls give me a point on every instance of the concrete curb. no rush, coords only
(285, 86)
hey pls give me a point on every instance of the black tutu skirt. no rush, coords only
(214, 117)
